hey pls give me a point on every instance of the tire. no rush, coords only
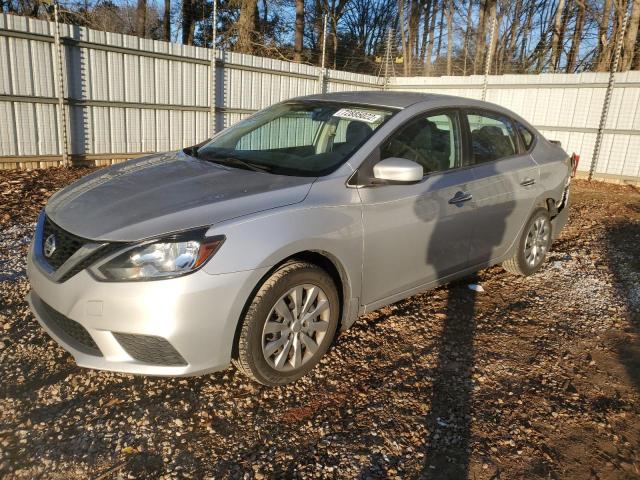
(280, 318)
(533, 245)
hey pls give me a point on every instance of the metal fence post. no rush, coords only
(487, 65)
(59, 72)
(607, 97)
(212, 83)
(322, 77)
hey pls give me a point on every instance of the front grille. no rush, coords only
(66, 244)
(71, 331)
(149, 349)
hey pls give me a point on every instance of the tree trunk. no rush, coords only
(494, 23)
(403, 35)
(34, 10)
(480, 35)
(636, 60)
(440, 30)
(449, 37)
(604, 44)
(525, 37)
(413, 37)
(297, 47)
(425, 30)
(510, 49)
(334, 21)
(467, 36)
(430, 42)
(318, 24)
(141, 18)
(166, 21)
(630, 36)
(408, 55)
(188, 24)
(576, 39)
(247, 25)
(555, 39)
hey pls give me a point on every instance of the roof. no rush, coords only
(377, 98)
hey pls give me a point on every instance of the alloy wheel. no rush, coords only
(537, 242)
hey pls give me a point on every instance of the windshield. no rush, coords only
(295, 138)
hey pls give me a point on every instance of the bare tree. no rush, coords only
(299, 38)
(635, 65)
(524, 45)
(449, 37)
(558, 31)
(576, 39)
(425, 29)
(403, 35)
(604, 45)
(440, 29)
(509, 51)
(188, 21)
(247, 26)
(431, 33)
(631, 36)
(481, 34)
(141, 18)
(452, 35)
(166, 21)
(367, 23)
(467, 37)
(494, 23)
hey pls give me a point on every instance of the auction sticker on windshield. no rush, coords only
(360, 115)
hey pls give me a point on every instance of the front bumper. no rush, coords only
(173, 327)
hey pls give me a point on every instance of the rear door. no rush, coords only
(505, 185)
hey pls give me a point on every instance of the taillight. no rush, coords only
(575, 159)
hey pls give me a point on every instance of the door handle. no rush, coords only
(527, 182)
(460, 197)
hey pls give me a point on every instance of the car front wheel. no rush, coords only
(533, 245)
(289, 324)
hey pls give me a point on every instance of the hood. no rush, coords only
(167, 193)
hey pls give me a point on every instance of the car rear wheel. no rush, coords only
(533, 245)
(289, 324)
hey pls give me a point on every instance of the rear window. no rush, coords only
(492, 136)
(526, 135)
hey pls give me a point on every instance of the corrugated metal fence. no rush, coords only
(126, 95)
(563, 107)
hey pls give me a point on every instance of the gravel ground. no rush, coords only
(533, 378)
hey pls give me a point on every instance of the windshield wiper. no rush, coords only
(238, 162)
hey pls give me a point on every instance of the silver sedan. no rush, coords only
(257, 246)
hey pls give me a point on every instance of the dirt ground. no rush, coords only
(536, 377)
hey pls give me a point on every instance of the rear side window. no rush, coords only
(492, 137)
(526, 135)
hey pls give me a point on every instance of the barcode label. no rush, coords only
(359, 115)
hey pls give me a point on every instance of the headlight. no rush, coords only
(162, 258)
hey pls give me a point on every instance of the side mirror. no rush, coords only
(398, 170)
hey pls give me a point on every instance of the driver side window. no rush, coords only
(431, 141)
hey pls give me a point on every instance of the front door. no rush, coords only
(415, 234)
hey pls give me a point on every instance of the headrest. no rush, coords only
(357, 131)
(491, 130)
